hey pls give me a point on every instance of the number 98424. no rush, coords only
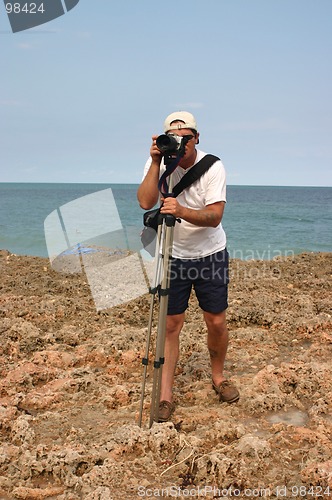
(27, 8)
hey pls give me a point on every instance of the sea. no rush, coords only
(261, 222)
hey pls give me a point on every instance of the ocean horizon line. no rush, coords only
(137, 184)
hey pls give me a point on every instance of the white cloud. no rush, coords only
(25, 46)
(11, 103)
(84, 35)
(247, 126)
(189, 105)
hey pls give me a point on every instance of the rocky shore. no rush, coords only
(71, 381)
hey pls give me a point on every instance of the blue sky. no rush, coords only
(82, 95)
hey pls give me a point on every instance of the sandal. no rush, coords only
(227, 391)
(166, 408)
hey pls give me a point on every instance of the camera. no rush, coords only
(171, 144)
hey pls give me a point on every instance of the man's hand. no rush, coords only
(148, 193)
(155, 153)
(171, 206)
(210, 216)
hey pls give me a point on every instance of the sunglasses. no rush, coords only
(187, 137)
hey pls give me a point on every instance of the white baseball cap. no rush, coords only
(183, 116)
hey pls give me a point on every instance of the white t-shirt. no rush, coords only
(192, 241)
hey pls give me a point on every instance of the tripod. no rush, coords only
(160, 286)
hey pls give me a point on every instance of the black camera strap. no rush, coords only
(195, 173)
(171, 165)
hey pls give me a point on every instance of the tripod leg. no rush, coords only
(161, 333)
(145, 360)
(153, 290)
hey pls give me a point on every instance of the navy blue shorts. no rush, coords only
(208, 276)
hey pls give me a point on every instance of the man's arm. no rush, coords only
(148, 193)
(210, 216)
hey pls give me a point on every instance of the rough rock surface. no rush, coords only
(71, 381)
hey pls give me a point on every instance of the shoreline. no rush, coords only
(251, 255)
(71, 381)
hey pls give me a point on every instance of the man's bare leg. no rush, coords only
(217, 343)
(174, 325)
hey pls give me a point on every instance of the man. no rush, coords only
(199, 256)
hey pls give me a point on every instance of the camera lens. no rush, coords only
(167, 143)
